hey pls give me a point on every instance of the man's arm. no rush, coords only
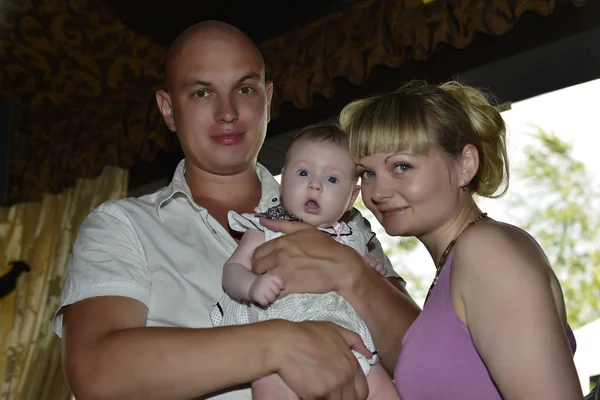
(312, 262)
(400, 284)
(386, 308)
(376, 250)
(109, 353)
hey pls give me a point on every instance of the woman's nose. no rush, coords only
(381, 192)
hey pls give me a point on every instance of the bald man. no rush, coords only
(134, 313)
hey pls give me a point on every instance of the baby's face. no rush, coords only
(318, 183)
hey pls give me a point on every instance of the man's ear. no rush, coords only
(469, 163)
(269, 99)
(355, 193)
(163, 99)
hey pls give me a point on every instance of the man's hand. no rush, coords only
(265, 289)
(308, 260)
(315, 361)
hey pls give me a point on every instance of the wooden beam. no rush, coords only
(532, 31)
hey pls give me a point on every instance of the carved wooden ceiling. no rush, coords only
(161, 20)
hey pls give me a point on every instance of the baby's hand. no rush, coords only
(376, 265)
(265, 288)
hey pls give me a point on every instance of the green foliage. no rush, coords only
(560, 214)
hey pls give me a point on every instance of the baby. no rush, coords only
(318, 186)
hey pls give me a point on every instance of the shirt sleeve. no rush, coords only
(108, 260)
(374, 245)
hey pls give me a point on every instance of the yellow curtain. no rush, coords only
(42, 234)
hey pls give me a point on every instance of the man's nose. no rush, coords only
(227, 110)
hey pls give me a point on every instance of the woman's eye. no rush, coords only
(332, 179)
(402, 168)
(366, 175)
(302, 172)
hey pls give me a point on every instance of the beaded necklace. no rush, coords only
(444, 256)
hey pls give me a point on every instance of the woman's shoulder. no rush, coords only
(496, 257)
(492, 233)
(493, 244)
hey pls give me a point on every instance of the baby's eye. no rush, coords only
(302, 172)
(332, 179)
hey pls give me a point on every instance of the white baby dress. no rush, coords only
(303, 306)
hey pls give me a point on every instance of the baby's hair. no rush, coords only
(322, 133)
(327, 133)
(421, 116)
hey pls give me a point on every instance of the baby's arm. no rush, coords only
(240, 283)
(237, 274)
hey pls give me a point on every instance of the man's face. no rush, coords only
(219, 102)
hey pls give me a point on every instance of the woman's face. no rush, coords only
(410, 194)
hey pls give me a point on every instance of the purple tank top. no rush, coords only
(438, 359)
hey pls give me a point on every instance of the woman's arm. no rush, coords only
(504, 282)
(312, 262)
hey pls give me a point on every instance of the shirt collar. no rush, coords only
(178, 186)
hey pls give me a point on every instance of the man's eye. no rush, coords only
(201, 94)
(246, 90)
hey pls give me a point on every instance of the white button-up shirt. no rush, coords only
(163, 250)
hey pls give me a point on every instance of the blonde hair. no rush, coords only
(421, 116)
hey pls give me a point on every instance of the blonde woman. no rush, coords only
(494, 323)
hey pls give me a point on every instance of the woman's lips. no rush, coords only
(392, 212)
